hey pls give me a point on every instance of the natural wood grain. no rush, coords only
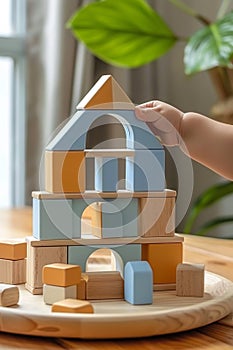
(216, 254)
(96, 194)
(102, 241)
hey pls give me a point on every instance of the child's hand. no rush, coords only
(163, 119)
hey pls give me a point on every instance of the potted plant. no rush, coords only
(130, 33)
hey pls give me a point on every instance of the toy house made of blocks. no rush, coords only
(129, 209)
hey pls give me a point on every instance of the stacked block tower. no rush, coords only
(129, 209)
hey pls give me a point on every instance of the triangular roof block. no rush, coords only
(106, 94)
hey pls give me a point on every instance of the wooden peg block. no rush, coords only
(53, 294)
(13, 250)
(81, 289)
(73, 305)
(61, 274)
(190, 280)
(104, 285)
(13, 271)
(9, 295)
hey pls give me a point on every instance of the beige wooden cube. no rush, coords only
(190, 280)
(53, 294)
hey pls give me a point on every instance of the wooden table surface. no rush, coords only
(216, 254)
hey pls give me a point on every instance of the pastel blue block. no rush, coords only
(78, 255)
(149, 170)
(112, 221)
(106, 174)
(138, 283)
(73, 135)
(130, 210)
(52, 219)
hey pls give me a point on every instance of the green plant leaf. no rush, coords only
(207, 198)
(126, 33)
(213, 224)
(210, 47)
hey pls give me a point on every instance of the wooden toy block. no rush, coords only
(78, 255)
(129, 209)
(190, 280)
(13, 271)
(109, 153)
(104, 285)
(65, 171)
(62, 275)
(37, 257)
(106, 94)
(13, 250)
(53, 294)
(74, 306)
(103, 195)
(72, 136)
(157, 217)
(81, 289)
(9, 295)
(106, 174)
(138, 283)
(52, 219)
(96, 218)
(163, 259)
(148, 170)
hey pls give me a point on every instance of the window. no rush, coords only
(12, 102)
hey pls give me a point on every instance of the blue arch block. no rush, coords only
(138, 283)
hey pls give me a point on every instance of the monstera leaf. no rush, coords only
(126, 33)
(210, 47)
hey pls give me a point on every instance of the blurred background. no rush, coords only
(45, 71)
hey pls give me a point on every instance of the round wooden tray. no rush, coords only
(118, 319)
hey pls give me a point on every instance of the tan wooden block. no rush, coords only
(73, 306)
(37, 258)
(104, 285)
(9, 295)
(13, 250)
(65, 171)
(157, 216)
(190, 280)
(53, 294)
(13, 271)
(81, 289)
(106, 94)
(59, 274)
(96, 219)
(163, 259)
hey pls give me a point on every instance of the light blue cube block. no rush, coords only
(52, 219)
(138, 285)
(106, 174)
(112, 221)
(130, 210)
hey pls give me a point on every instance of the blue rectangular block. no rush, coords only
(106, 174)
(52, 219)
(149, 170)
(138, 286)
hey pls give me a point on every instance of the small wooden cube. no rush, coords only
(9, 295)
(13, 250)
(62, 275)
(73, 306)
(53, 294)
(190, 280)
(13, 271)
